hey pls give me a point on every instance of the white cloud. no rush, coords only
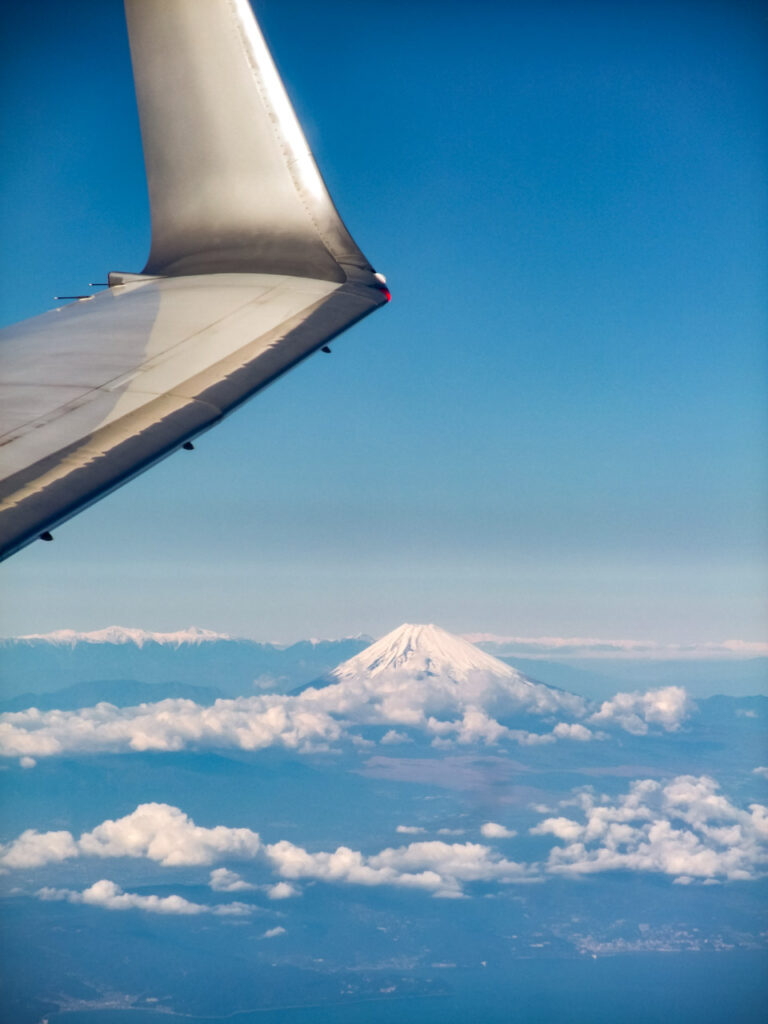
(311, 721)
(410, 830)
(272, 933)
(562, 828)
(110, 896)
(493, 831)
(166, 835)
(435, 866)
(158, 832)
(249, 723)
(361, 741)
(282, 891)
(33, 849)
(573, 731)
(684, 828)
(667, 707)
(169, 837)
(27, 762)
(393, 736)
(224, 880)
(762, 770)
(477, 726)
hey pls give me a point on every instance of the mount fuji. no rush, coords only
(447, 670)
(427, 678)
(423, 651)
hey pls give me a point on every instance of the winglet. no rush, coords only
(233, 186)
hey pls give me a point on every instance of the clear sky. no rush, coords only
(558, 425)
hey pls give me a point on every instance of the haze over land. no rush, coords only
(387, 826)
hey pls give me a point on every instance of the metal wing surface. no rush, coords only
(250, 270)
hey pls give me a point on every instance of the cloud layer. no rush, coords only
(684, 828)
(167, 836)
(593, 647)
(319, 718)
(251, 723)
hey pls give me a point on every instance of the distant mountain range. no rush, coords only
(193, 657)
(125, 666)
(123, 693)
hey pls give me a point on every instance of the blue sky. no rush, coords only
(558, 426)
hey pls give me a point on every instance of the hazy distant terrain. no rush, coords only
(424, 833)
(232, 666)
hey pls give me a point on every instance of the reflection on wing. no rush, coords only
(250, 270)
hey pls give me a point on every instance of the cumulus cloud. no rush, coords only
(667, 707)
(282, 891)
(166, 835)
(393, 736)
(410, 830)
(762, 771)
(573, 731)
(561, 828)
(169, 837)
(27, 762)
(224, 880)
(33, 849)
(311, 721)
(476, 726)
(685, 828)
(435, 866)
(158, 832)
(493, 831)
(250, 723)
(110, 896)
(272, 933)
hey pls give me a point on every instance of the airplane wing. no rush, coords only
(250, 270)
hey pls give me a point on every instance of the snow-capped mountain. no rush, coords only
(126, 635)
(423, 651)
(424, 669)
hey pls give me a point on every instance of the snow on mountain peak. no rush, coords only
(126, 635)
(421, 651)
(418, 672)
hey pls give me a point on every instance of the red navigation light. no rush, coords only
(382, 285)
